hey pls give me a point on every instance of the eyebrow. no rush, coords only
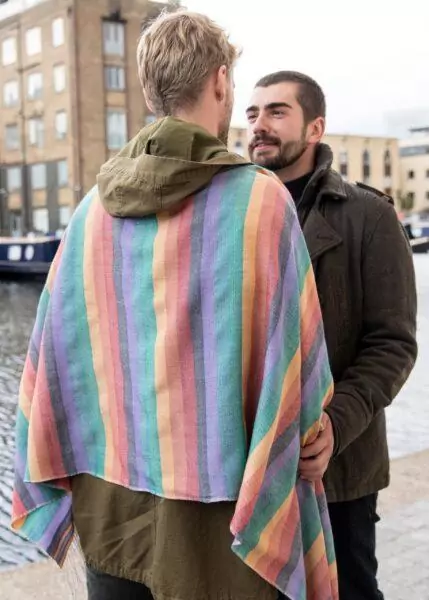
(271, 106)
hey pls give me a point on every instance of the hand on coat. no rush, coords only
(316, 456)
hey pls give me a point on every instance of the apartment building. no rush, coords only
(370, 160)
(70, 98)
(414, 153)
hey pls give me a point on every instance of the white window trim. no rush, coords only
(13, 52)
(8, 126)
(7, 86)
(120, 136)
(58, 39)
(60, 68)
(62, 121)
(36, 33)
(37, 92)
(42, 166)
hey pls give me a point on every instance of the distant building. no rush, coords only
(370, 160)
(70, 98)
(414, 152)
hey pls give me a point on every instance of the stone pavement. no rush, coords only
(403, 540)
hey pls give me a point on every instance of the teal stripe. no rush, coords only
(228, 269)
(77, 339)
(142, 301)
(302, 260)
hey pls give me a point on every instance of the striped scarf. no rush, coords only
(182, 354)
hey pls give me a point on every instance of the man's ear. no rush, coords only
(317, 130)
(148, 103)
(221, 83)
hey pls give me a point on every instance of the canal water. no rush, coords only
(408, 417)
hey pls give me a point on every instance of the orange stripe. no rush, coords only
(112, 333)
(161, 381)
(270, 553)
(44, 451)
(172, 353)
(249, 285)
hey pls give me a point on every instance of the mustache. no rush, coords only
(265, 139)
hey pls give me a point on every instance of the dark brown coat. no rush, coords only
(365, 278)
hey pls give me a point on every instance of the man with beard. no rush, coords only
(365, 280)
(169, 384)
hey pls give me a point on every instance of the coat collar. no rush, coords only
(319, 234)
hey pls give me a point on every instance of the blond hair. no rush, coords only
(176, 54)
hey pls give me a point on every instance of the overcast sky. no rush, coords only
(370, 56)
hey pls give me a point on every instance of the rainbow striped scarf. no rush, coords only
(183, 354)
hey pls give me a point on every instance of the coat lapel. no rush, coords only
(319, 235)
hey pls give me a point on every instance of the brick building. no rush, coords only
(70, 98)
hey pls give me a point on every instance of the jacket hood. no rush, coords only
(164, 164)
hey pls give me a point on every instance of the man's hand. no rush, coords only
(316, 456)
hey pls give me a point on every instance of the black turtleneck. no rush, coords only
(296, 187)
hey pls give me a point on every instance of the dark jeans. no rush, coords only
(353, 525)
(105, 587)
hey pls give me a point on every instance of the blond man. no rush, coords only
(178, 363)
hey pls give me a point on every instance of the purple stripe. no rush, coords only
(136, 414)
(67, 396)
(317, 376)
(289, 454)
(296, 588)
(210, 231)
(62, 514)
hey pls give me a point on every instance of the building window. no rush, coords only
(33, 41)
(64, 215)
(114, 78)
(57, 32)
(38, 176)
(116, 129)
(427, 195)
(238, 148)
(114, 38)
(11, 93)
(427, 174)
(9, 51)
(35, 86)
(61, 125)
(41, 220)
(366, 165)
(343, 160)
(36, 132)
(14, 179)
(411, 174)
(414, 151)
(387, 164)
(62, 173)
(59, 78)
(12, 137)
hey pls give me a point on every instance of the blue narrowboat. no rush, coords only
(27, 255)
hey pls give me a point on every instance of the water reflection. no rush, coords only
(18, 303)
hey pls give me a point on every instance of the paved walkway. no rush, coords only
(403, 541)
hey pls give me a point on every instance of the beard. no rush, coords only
(288, 152)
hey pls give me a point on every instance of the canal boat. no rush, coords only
(27, 255)
(417, 229)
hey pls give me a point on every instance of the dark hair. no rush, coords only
(310, 95)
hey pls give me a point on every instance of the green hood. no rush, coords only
(165, 163)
